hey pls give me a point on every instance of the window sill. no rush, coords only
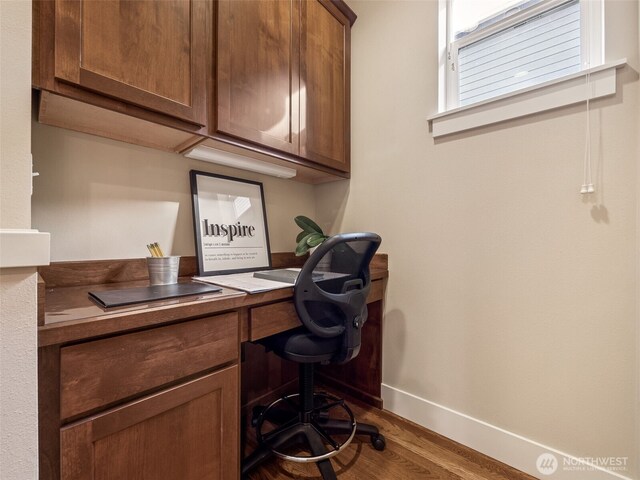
(539, 98)
(23, 248)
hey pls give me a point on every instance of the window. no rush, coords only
(496, 47)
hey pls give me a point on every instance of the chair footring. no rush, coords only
(313, 430)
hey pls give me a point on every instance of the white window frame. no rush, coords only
(596, 79)
(591, 41)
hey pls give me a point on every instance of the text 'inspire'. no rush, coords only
(229, 231)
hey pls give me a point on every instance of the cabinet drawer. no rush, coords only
(101, 372)
(278, 317)
(272, 319)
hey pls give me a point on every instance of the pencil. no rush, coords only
(159, 249)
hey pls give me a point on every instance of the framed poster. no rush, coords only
(230, 224)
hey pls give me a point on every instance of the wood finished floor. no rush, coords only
(412, 453)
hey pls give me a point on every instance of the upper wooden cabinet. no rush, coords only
(152, 53)
(283, 77)
(325, 84)
(258, 80)
(268, 79)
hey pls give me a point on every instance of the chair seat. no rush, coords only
(299, 345)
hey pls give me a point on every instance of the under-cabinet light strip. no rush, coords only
(233, 160)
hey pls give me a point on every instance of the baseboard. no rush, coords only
(365, 397)
(507, 447)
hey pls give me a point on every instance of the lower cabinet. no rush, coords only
(186, 432)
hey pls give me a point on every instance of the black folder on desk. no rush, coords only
(129, 296)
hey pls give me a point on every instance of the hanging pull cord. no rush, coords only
(587, 185)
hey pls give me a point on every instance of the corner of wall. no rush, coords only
(18, 325)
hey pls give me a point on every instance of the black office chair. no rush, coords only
(330, 297)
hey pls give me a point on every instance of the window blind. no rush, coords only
(542, 48)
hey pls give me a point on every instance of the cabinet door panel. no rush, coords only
(184, 433)
(152, 53)
(324, 71)
(258, 72)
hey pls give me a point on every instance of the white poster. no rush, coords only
(230, 224)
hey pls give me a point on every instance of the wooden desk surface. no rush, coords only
(76, 328)
(69, 314)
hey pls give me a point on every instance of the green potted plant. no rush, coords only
(310, 237)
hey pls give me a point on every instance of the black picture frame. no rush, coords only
(216, 256)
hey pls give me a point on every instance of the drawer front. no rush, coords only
(272, 319)
(278, 317)
(101, 372)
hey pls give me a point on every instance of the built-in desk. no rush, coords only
(114, 382)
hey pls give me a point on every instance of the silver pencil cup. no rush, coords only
(163, 270)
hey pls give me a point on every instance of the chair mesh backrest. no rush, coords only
(331, 290)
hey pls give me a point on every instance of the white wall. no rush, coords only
(18, 338)
(103, 199)
(511, 299)
(637, 439)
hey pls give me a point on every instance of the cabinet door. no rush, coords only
(153, 53)
(324, 84)
(258, 72)
(189, 432)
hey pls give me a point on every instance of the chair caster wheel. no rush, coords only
(378, 442)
